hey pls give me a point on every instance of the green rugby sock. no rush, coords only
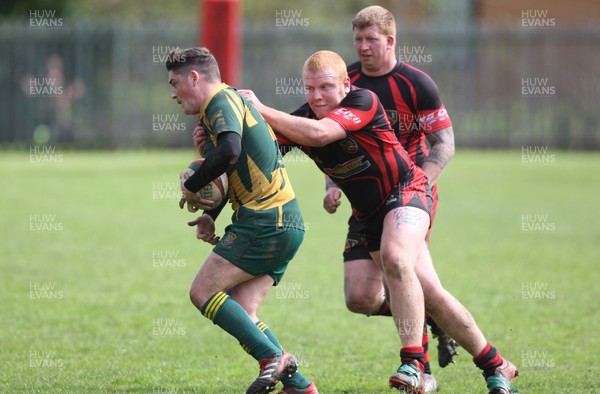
(223, 311)
(297, 380)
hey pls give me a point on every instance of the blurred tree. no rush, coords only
(132, 11)
(20, 9)
(136, 11)
(261, 12)
(317, 11)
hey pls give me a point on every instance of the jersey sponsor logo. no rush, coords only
(349, 145)
(217, 120)
(348, 114)
(348, 169)
(433, 117)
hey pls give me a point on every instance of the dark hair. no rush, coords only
(199, 59)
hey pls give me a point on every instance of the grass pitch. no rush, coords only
(97, 260)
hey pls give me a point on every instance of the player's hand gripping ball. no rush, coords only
(215, 191)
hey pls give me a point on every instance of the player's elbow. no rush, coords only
(451, 150)
(318, 142)
(230, 147)
(232, 155)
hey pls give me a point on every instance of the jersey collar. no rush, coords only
(399, 64)
(212, 94)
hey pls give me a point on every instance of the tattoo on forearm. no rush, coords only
(442, 147)
(406, 216)
(438, 157)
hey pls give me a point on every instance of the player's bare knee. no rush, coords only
(353, 306)
(395, 268)
(361, 305)
(363, 296)
(196, 296)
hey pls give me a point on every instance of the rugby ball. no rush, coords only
(216, 190)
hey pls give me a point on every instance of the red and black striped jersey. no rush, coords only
(412, 103)
(370, 161)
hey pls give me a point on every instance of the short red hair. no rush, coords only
(326, 60)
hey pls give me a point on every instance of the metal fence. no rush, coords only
(105, 86)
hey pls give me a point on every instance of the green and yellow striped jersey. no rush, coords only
(258, 180)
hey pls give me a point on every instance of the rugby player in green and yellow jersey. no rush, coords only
(267, 226)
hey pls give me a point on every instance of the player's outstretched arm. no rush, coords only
(303, 131)
(440, 153)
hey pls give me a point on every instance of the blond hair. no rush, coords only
(326, 60)
(375, 16)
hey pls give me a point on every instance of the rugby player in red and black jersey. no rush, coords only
(418, 117)
(344, 135)
(372, 151)
(347, 134)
